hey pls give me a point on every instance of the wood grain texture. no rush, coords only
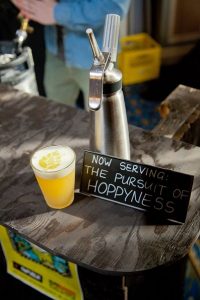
(99, 235)
(181, 115)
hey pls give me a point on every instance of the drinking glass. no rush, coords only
(54, 169)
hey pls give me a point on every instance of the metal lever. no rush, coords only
(96, 83)
(96, 87)
(96, 73)
(98, 56)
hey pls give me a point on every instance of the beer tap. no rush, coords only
(22, 33)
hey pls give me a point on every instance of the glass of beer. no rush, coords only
(54, 169)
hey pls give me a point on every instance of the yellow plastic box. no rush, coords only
(139, 59)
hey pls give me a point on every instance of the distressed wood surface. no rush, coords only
(180, 113)
(96, 234)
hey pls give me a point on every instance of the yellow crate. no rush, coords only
(139, 59)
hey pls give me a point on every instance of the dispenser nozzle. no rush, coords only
(98, 56)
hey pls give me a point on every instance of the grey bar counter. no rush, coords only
(95, 234)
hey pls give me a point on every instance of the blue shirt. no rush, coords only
(76, 16)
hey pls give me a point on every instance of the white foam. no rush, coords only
(67, 162)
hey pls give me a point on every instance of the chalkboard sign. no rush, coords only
(160, 191)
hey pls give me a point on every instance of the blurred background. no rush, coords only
(175, 26)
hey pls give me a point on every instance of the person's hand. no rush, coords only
(18, 3)
(41, 11)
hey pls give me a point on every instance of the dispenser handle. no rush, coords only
(102, 59)
(96, 73)
(111, 35)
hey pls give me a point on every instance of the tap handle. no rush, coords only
(22, 33)
(111, 35)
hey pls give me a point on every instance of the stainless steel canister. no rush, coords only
(17, 69)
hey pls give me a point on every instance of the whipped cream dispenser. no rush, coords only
(109, 127)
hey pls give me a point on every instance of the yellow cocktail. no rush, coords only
(54, 168)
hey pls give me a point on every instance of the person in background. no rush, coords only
(69, 55)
